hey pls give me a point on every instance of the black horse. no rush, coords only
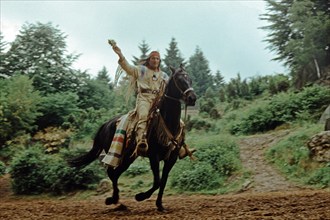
(163, 135)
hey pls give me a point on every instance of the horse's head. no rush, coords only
(180, 86)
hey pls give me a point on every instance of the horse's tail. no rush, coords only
(101, 142)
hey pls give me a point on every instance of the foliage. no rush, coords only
(144, 48)
(139, 167)
(87, 122)
(33, 172)
(198, 69)
(96, 94)
(320, 177)
(173, 57)
(53, 138)
(39, 52)
(237, 88)
(291, 156)
(56, 109)
(2, 168)
(19, 107)
(284, 108)
(198, 124)
(299, 34)
(217, 159)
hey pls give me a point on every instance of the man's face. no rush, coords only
(154, 62)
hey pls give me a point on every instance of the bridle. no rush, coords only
(183, 94)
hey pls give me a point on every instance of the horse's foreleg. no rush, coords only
(166, 170)
(154, 164)
(114, 175)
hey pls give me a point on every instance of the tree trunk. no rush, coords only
(317, 69)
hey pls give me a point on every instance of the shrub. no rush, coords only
(195, 177)
(56, 108)
(137, 168)
(198, 124)
(19, 106)
(217, 159)
(2, 168)
(284, 108)
(320, 177)
(53, 138)
(34, 172)
(292, 157)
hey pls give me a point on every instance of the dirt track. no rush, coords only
(267, 196)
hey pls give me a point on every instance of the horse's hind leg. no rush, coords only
(154, 163)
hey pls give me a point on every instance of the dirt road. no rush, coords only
(267, 196)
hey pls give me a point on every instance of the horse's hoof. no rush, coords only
(110, 201)
(160, 208)
(140, 197)
(121, 207)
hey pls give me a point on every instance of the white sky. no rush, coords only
(226, 31)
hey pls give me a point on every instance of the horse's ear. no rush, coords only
(182, 66)
(172, 69)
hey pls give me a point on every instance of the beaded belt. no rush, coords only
(150, 91)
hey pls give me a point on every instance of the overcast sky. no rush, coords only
(226, 31)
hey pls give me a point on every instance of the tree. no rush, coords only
(19, 107)
(144, 48)
(199, 70)
(237, 88)
(39, 51)
(56, 109)
(103, 76)
(2, 57)
(173, 56)
(96, 94)
(219, 80)
(299, 34)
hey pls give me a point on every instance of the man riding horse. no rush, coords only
(150, 82)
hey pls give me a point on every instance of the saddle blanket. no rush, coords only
(113, 157)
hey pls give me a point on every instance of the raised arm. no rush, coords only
(129, 69)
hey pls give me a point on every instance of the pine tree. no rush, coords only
(2, 57)
(144, 48)
(299, 34)
(173, 56)
(219, 80)
(199, 70)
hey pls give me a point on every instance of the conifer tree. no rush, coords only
(145, 49)
(173, 56)
(299, 34)
(199, 70)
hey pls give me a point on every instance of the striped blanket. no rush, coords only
(113, 157)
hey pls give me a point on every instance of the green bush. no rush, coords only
(56, 109)
(34, 172)
(320, 177)
(292, 157)
(137, 168)
(198, 124)
(284, 108)
(19, 106)
(217, 159)
(2, 168)
(87, 122)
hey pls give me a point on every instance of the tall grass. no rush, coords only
(291, 155)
